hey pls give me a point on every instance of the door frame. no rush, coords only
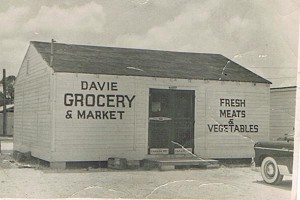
(193, 113)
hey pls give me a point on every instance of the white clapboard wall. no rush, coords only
(91, 139)
(282, 114)
(32, 114)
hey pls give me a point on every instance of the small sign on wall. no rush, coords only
(182, 151)
(158, 151)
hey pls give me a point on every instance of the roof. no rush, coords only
(72, 58)
(285, 88)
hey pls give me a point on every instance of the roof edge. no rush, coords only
(266, 81)
(217, 80)
(133, 48)
(282, 88)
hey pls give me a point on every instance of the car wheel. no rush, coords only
(270, 171)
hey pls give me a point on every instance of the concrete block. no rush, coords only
(20, 157)
(166, 167)
(58, 165)
(117, 163)
(212, 166)
(133, 164)
(147, 165)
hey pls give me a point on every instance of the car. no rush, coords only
(275, 159)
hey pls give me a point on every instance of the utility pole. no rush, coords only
(4, 104)
(52, 52)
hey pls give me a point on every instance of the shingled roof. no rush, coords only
(72, 58)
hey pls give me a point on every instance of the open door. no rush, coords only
(171, 121)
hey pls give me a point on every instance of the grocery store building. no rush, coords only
(90, 103)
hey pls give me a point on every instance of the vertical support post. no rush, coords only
(4, 104)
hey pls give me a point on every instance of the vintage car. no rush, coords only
(275, 159)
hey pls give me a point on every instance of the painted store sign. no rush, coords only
(229, 110)
(102, 95)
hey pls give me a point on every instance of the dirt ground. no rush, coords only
(23, 180)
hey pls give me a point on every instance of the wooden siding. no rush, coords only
(98, 139)
(32, 122)
(242, 130)
(282, 114)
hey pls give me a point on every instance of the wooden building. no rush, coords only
(282, 114)
(90, 103)
(9, 120)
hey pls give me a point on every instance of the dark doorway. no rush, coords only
(171, 121)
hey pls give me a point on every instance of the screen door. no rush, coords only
(171, 121)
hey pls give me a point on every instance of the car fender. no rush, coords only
(284, 170)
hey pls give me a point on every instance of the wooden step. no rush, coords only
(171, 163)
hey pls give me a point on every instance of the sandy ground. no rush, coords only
(20, 180)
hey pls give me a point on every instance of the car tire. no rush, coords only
(270, 171)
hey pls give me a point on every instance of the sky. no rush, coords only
(261, 35)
